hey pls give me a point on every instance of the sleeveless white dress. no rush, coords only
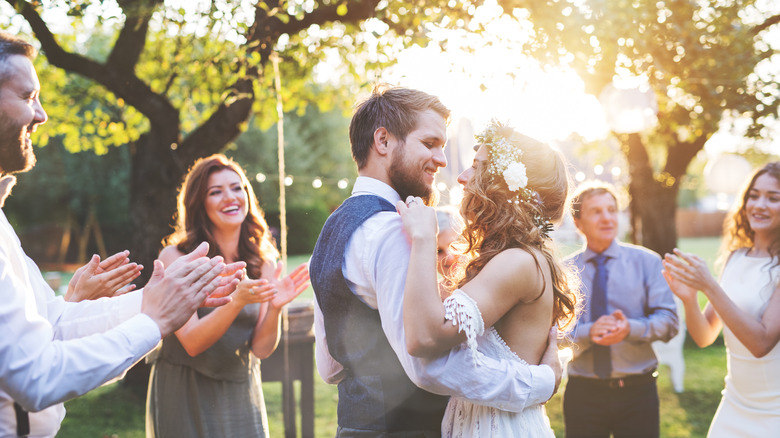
(465, 419)
(750, 406)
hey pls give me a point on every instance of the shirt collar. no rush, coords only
(365, 185)
(6, 184)
(613, 251)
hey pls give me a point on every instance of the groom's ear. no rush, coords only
(381, 137)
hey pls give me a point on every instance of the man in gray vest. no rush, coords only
(358, 270)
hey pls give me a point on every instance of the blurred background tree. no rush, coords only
(708, 64)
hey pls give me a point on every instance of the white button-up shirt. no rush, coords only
(375, 265)
(52, 350)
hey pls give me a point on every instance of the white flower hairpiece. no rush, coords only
(504, 160)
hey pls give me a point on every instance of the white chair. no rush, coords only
(671, 353)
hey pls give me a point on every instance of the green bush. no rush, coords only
(303, 227)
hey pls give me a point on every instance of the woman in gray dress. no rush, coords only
(205, 381)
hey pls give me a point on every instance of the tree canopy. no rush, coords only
(176, 82)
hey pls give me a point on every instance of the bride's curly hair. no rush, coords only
(494, 222)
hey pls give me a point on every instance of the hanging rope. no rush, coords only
(280, 152)
(289, 404)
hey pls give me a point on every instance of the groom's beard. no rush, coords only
(407, 180)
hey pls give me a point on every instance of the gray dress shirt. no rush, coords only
(636, 286)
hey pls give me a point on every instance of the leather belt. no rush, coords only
(618, 382)
(22, 421)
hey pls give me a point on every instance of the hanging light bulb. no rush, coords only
(317, 183)
(343, 183)
(260, 177)
(288, 180)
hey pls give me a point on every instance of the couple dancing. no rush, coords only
(383, 332)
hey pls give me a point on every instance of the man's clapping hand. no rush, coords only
(108, 278)
(175, 292)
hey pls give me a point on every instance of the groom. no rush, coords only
(358, 270)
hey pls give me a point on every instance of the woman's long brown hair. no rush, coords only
(193, 225)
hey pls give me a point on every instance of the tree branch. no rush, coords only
(132, 38)
(771, 21)
(224, 125)
(122, 82)
(681, 154)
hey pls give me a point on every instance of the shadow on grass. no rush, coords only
(112, 411)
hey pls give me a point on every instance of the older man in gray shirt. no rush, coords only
(628, 305)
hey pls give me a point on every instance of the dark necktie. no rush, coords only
(602, 363)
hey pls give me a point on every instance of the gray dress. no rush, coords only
(215, 394)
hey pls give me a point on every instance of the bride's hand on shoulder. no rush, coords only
(419, 220)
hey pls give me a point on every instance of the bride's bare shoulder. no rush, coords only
(517, 267)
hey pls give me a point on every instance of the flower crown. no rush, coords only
(504, 161)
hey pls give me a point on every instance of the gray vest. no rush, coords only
(375, 394)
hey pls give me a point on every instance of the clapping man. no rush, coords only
(52, 350)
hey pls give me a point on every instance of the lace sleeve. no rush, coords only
(462, 310)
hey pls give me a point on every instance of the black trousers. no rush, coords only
(593, 409)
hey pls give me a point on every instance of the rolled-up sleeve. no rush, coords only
(503, 384)
(660, 322)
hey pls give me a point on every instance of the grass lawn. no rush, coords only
(115, 411)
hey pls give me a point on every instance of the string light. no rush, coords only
(316, 182)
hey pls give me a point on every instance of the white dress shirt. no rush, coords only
(52, 350)
(375, 265)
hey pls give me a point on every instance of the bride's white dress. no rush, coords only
(465, 419)
(750, 406)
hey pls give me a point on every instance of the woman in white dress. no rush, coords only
(512, 289)
(746, 304)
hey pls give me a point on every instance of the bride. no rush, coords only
(512, 288)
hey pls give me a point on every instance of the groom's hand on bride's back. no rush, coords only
(551, 359)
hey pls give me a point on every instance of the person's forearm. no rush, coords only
(427, 333)
(267, 331)
(752, 332)
(702, 331)
(502, 384)
(198, 334)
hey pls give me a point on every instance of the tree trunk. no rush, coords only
(653, 199)
(155, 177)
(656, 206)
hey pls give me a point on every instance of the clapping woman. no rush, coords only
(746, 304)
(206, 379)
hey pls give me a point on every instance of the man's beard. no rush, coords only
(15, 156)
(407, 181)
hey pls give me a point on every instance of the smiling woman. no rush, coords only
(206, 379)
(745, 304)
